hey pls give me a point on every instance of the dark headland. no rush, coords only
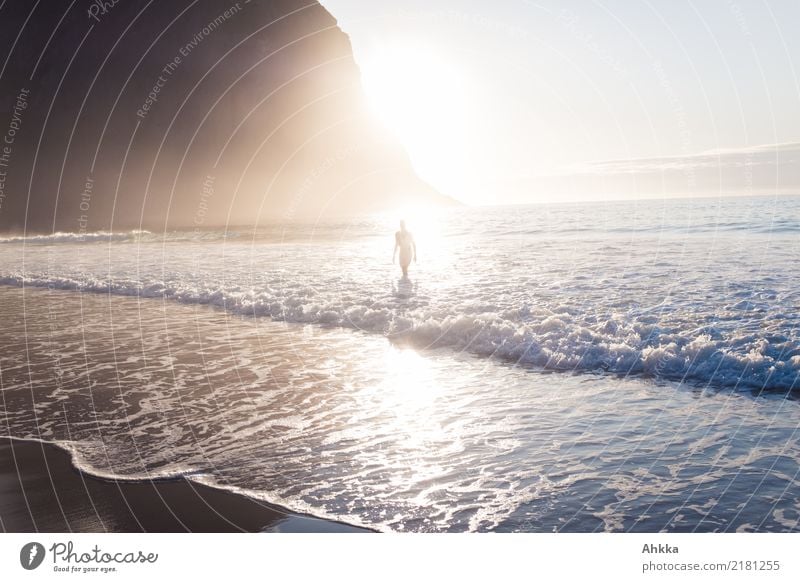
(188, 114)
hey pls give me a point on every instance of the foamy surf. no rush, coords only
(567, 288)
(626, 343)
(76, 237)
(346, 425)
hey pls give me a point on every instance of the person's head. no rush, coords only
(402, 225)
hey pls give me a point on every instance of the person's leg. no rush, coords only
(405, 271)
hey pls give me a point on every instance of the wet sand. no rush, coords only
(41, 491)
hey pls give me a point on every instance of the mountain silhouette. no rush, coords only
(187, 113)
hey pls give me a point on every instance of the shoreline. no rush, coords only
(42, 491)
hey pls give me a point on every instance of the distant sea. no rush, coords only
(619, 366)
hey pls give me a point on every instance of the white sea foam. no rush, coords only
(685, 290)
(323, 420)
(621, 343)
(75, 237)
(328, 417)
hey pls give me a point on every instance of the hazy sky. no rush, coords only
(518, 101)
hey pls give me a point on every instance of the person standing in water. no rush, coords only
(408, 248)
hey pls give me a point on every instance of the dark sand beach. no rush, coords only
(40, 491)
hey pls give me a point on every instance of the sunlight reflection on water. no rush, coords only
(375, 402)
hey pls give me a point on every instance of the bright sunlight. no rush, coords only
(422, 98)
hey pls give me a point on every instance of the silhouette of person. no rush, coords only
(404, 241)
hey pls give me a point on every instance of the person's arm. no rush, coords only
(394, 253)
(414, 244)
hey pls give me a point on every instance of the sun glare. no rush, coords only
(421, 97)
(423, 221)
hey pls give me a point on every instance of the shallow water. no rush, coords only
(699, 291)
(623, 367)
(348, 425)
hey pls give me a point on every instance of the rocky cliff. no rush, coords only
(188, 113)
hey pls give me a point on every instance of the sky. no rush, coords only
(537, 101)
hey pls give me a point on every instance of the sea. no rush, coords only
(628, 366)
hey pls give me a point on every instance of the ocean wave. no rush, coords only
(564, 340)
(275, 234)
(688, 228)
(75, 237)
